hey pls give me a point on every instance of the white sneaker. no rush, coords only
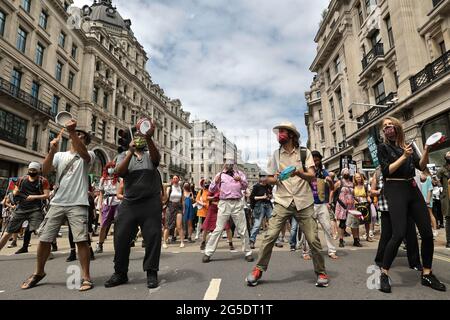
(371, 234)
(196, 238)
(165, 246)
(182, 245)
(435, 233)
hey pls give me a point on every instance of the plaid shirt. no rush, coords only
(382, 201)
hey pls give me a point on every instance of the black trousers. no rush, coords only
(412, 245)
(437, 212)
(146, 214)
(405, 200)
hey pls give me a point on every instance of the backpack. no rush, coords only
(40, 183)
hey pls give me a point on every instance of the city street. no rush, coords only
(184, 277)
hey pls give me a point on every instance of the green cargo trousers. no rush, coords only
(306, 223)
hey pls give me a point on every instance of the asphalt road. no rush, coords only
(184, 277)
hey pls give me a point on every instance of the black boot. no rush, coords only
(72, 256)
(385, 285)
(152, 279)
(356, 243)
(116, 280)
(54, 247)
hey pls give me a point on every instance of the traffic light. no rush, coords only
(124, 139)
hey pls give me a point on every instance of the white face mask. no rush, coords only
(110, 171)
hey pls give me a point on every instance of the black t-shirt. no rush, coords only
(28, 188)
(388, 154)
(259, 190)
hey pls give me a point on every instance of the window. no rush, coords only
(51, 135)
(360, 14)
(344, 134)
(333, 113)
(327, 74)
(337, 65)
(35, 138)
(397, 81)
(124, 112)
(21, 40)
(116, 109)
(55, 104)
(66, 6)
(369, 5)
(26, 5)
(13, 128)
(2, 23)
(94, 124)
(380, 95)
(97, 66)
(320, 114)
(64, 144)
(104, 130)
(441, 46)
(74, 51)
(339, 98)
(68, 107)
(105, 101)
(322, 134)
(35, 91)
(16, 78)
(62, 39)
(71, 80)
(39, 59)
(43, 19)
(58, 74)
(334, 138)
(95, 95)
(376, 38)
(318, 94)
(389, 30)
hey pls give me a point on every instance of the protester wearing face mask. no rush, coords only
(108, 201)
(398, 163)
(30, 191)
(229, 183)
(141, 207)
(444, 178)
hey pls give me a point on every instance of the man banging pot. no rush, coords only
(141, 206)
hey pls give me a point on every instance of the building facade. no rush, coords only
(208, 149)
(376, 59)
(252, 171)
(96, 71)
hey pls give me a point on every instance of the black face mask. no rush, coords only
(346, 176)
(32, 174)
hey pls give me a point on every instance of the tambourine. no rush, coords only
(63, 117)
(435, 138)
(143, 125)
(286, 173)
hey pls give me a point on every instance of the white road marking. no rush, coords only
(1, 291)
(213, 290)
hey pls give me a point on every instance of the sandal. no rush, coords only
(333, 256)
(306, 257)
(32, 281)
(86, 285)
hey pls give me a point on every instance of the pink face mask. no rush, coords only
(283, 137)
(390, 132)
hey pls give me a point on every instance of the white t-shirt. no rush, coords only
(176, 194)
(108, 188)
(74, 187)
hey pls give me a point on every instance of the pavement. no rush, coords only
(183, 276)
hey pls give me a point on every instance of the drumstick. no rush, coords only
(60, 133)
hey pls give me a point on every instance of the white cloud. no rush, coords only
(239, 63)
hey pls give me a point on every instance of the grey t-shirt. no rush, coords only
(73, 189)
(142, 179)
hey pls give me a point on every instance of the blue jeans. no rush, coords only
(261, 210)
(294, 231)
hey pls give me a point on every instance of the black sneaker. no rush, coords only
(116, 280)
(292, 247)
(431, 281)
(72, 256)
(385, 285)
(249, 258)
(252, 245)
(22, 250)
(206, 259)
(341, 243)
(152, 279)
(202, 246)
(54, 247)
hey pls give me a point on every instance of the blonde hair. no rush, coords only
(363, 180)
(400, 138)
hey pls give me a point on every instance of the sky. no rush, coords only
(242, 64)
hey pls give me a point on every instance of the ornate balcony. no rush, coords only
(178, 169)
(372, 55)
(11, 91)
(375, 112)
(432, 72)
